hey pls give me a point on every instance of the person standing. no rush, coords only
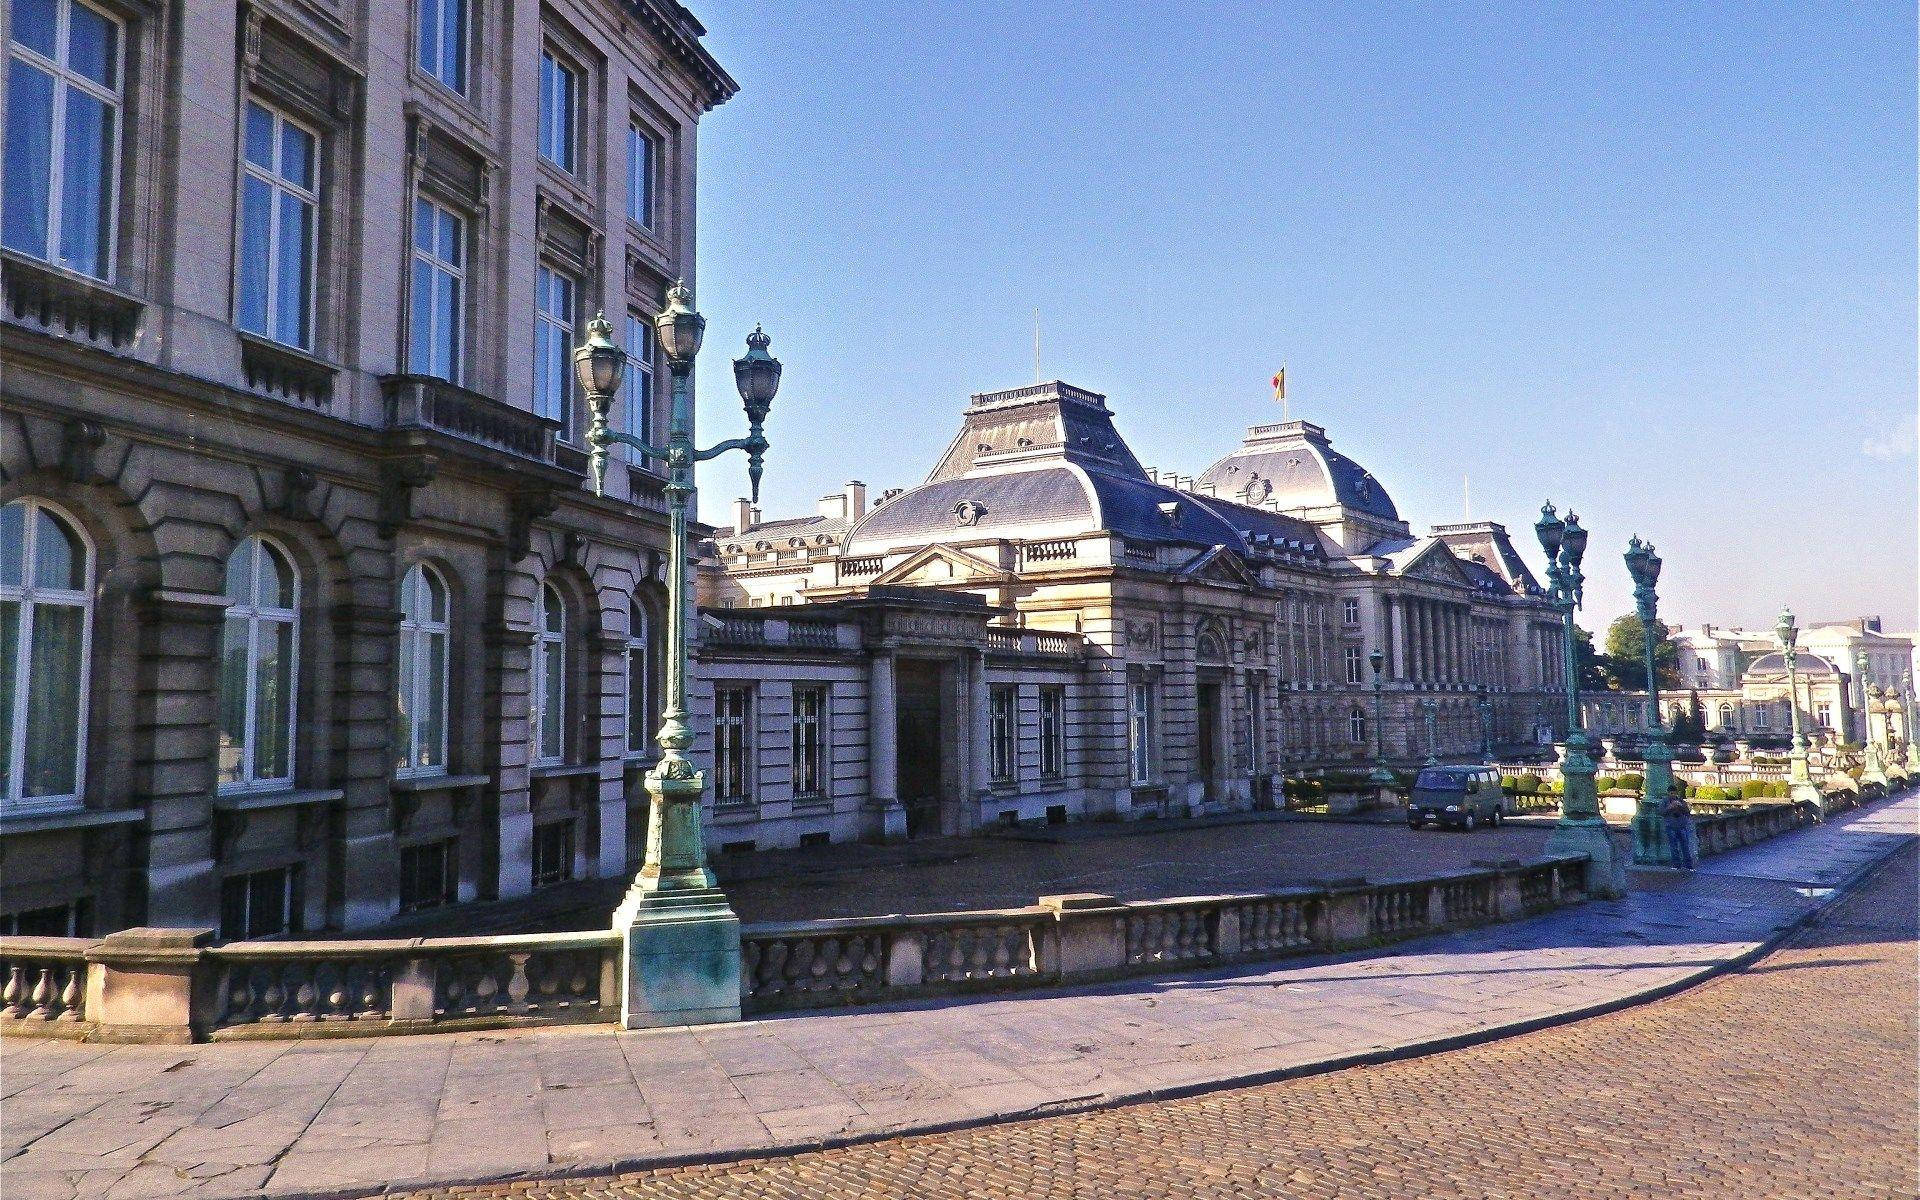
(1678, 816)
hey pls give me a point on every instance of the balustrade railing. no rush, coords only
(424, 402)
(857, 568)
(1063, 550)
(43, 979)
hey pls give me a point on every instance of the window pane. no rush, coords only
(296, 156)
(637, 737)
(276, 578)
(453, 44)
(422, 225)
(403, 703)
(256, 218)
(296, 239)
(436, 593)
(13, 543)
(93, 46)
(233, 700)
(59, 559)
(447, 237)
(420, 331)
(9, 657)
(273, 701)
(53, 701)
(34, 24)
(85, 191)
(29, 156)
(553, 704)
(446, 309)
(259, 137)
(433, 703)
(240, 572)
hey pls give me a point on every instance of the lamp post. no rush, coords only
(1432, 708)
(1799, 779)
(1380, 777)
(1649, 838)
(1874, 770)
(1906, 723)
(681, 964)
(1485, 706)
(1580, 830)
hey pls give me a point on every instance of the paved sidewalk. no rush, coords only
(287, 1118)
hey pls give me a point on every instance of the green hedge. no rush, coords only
(1606, 783)
(1631, 781)
(1753, 789)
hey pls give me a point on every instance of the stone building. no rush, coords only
(1045, 630)
(308, 618)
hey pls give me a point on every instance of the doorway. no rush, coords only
(1209, 733)
(919, 771)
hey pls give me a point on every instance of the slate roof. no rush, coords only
(1805, 663)
(1291, 466)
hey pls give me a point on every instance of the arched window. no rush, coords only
(1357, 724)
(639, 672)
(550, 678)
(46, 611)
(1726, 715)
(420, 691)
(258, 667)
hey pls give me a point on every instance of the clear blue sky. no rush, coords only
(1654, 261)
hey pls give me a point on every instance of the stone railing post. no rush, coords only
(1090, 937)
(906, 958)
(1226, 932)
(148, 985)
(1349, 915)
(1507, 903)
(414, 984)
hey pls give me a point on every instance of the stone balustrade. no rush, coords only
(1726, 831)
(43, 980)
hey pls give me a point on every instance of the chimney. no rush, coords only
(856, 500)
(742, 515)
(834, 507)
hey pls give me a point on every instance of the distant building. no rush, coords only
(1044, 629)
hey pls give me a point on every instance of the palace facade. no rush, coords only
(1045, 630)
(308, 616)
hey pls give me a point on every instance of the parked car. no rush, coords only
(1467, 797)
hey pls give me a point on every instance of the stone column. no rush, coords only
(980, 747)
(1427, 661)
(1396, 637)
(882, 752)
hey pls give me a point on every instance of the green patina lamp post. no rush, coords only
(682, 940)
(1906, 722)
(1580, 830)
(1875, 768)
(1485, 707)
(1380, 777)
(1649, 837)
(1799, 780)
(1432, 708)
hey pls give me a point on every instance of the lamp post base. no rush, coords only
(680, 960)
(1649, 831)
(1606, 865)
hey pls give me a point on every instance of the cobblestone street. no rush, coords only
(1792, 1078)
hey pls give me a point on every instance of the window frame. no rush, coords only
(810, 741)
(420, 631)
(1003, 722)
(1357, 725)
(1355, 662)
(639, 716)
(64, 77)
(1053, 740)
(1350, 611)
(27, 595)
(548, 642)
(562, 63)
(419, 258)
(291, 897)
(567, 838)
(257, 615)
(636, 411)
(565, 331)
(645, 213)
(449, 850)
(463, 45)
(733, 745)
(277, 184)
(1142, 722)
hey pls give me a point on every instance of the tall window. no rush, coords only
(420, 702)
(550, 678)
(640, 168)
(639, 667)
(553, 348)
(429, 875)
(1763, 716)
(1053, 732)
(732, 745)
(552, 853)
(63, 134)
(1256, 717)
(1823, 715)
(1357, 725)
(1353, 659)
(1003, 714)
(1140, 729)
(636, 386)
(439, 279)
(46, 609)
(1350, 611)
(809, 742)
(261, 904)
(257, 667)
(279, 213)
(1726, 716)
(559, 101)
(443, 41)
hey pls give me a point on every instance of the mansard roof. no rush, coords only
(1291, 467)
(1487, 543)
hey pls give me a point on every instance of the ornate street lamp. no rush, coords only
(682, 960)
(1432, 708)
(1649, 836)
(1875, 768)
(1485, 705)
(1580, 830)
(1380, 777)
(1799, 780)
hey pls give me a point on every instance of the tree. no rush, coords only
(1690, 729)
(1592, 666)
(1627, 650)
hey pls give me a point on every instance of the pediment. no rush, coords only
(1219, 565)
(1437, 563)
(940, 566)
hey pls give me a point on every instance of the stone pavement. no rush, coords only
(1790, 1078)
(283, 1118)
